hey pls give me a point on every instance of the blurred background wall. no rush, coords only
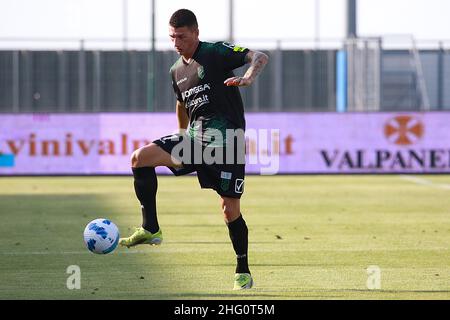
(325, 55)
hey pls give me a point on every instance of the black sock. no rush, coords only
(239, 237)
(145, 186)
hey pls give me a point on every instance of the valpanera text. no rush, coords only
(386, 160)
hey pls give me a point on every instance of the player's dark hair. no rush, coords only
(183, 18)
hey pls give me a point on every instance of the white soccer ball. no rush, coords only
(101, 236)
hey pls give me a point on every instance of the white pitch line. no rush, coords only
(425, 182)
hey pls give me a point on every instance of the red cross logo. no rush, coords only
(403, 130)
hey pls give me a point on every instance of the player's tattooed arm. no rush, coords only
(182, 116)
(258, 61)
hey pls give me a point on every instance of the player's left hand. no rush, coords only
(237, 81)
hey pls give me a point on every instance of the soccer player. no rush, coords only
(210, 107)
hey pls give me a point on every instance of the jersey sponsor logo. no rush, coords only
(181, 81)
(197, 102)
(233, 47)
(203, 87)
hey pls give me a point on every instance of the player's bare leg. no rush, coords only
(152, 155)
(143, 163)
(231, 208)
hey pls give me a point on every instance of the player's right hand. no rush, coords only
(238, 82)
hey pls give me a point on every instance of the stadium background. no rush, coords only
(391, 73)
(355, 104)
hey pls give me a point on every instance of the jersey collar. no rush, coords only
(197, 50)
(194, 56)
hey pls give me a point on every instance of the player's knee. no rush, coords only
(147, 156)
(230, 211)
(137, 158)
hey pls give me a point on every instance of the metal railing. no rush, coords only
(110, 75)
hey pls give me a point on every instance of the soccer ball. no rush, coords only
(101, 236)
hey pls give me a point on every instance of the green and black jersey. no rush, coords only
(199, 85)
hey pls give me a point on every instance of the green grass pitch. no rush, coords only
(311, 237)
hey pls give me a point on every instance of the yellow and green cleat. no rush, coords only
(243, 281)
(142, 236)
